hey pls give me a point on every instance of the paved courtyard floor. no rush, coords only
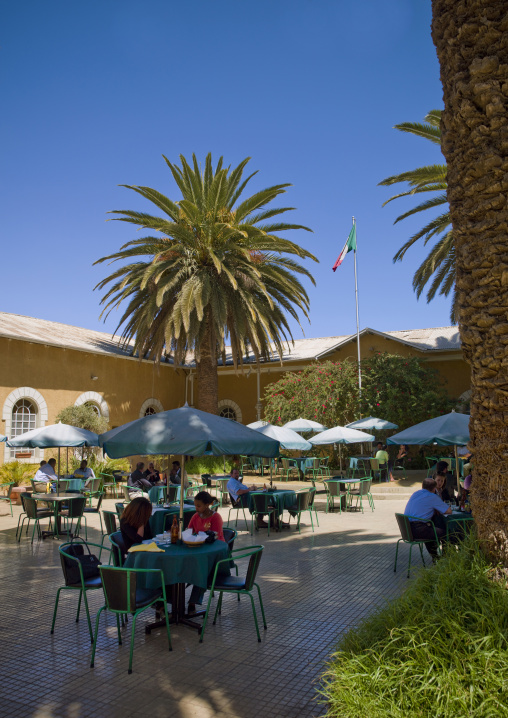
(314, 586)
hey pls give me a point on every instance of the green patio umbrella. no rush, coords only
(55, 436)
(372, 423)
(340, 435)
(186, 431)
(447, 430)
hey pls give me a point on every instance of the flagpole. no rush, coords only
(357, 323)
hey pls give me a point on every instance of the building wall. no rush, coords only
(61, 376)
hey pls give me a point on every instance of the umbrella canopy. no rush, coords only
(3, 438)
(341, 435)
(302, 425)
(257, 424)
(447, 430)
(186, 431)
(55, 435)
(372, 423)
(288, 438)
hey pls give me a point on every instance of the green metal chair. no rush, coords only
(262, 504)
(236, 584)
(34, 514)
(323, 466)
(93, 490)
(334, 491)
(171, 494)
(69, 564)
(406, 533)
(110, 518)
(304, 500)
(289, 467)
(222, 491)
(314, 469)
(246, 464)
(94, 510)
(363, 489)
(75, 510)
(399, 465)
(237, 506)
(431, 461)
(109, 483)
(7, 497)
(122, 595)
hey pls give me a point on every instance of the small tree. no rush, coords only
(403, 390)
(84, 417)
(326, 392)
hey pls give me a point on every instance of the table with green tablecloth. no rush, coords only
(458, 523)
(282, 499)
(158, 517)
(157, 492)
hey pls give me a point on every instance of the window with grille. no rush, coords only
(94, 406)
(228, 413)
(24, 418)
(150, 410)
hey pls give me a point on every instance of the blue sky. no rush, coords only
(94, 93)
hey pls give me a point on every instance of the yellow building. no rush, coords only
(47, 366)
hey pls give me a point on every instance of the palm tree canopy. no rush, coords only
(439, 265)
(213, 267)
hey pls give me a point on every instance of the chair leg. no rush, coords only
(88, 616)
(311, 521)
(132, 642)
(261, 604)
(421, 554)
(202, 632)
(167, 625)
(94, 640)
(218, 609)
(79, 605)
(255, 617)
(409, 562)
(55, 610)
(118, 629)
(396, 554)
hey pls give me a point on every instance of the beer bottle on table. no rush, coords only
(175, 533)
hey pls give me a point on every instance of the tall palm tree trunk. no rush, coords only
(208, 382)
(471, 38)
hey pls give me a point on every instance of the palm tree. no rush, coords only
(439, 265)
(215, 270)
(470, 39)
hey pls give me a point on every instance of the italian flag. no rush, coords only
(350, 245)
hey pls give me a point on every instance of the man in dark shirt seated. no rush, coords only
(151, 474)
(137, 479)
(424, 507)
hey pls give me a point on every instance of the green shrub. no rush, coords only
(18, 472)
(209, 465)
(439, 650)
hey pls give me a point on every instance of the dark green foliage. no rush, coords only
(439, 650)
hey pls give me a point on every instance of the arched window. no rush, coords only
(93, 406)
(149, 407)
(228, 413)
(149, 411)
(24, 418)
(96, 401)
(229, 409)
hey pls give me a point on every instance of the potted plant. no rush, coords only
(19, 474)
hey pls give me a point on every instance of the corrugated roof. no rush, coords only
(42, 331)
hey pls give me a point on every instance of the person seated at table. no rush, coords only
(134, 523)
(443, 469)
(175, 475)
(424, 507)
(399, 459)
(205, 519)
(151, 474)
(441, 488)
(240, 492)
(382, 457)
(46, 473)
(137, 480)
(84, 471)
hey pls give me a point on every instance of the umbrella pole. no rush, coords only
(58, 477)
(457, 468)
(340, 458)
(271, 468)
(67, 461)
(182, 491)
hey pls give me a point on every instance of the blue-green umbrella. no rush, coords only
(3, 438)
(447, 430)
(288, 439)
(372, 423)
(257, 424)
(186, 431)
(303, 425)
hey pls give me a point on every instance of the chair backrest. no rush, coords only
(364, 487)
(171, 494)
(70, 566)
(324, 461)
(206, 480)
(119, 585)
(374, 464)
(30, 507)
(188, 513)
(286, 464)
(110, 521)
(223, 485)
(229, 537)
(63, 484)
(76, 507)
(22, 497)
(303, 499)
(8, 486)
(94, 485)
(252, 568)
(119, 510)
(316, 463)
(126, 493)
(119, 549)
(404, 527)
(363, 465)
(39, 486)
(260, 502)
(333, 487)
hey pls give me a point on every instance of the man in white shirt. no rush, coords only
(46, 472)
(84, 471)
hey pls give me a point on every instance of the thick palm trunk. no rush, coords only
(208, 383)
(471, 37)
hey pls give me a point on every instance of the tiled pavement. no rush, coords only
(314, 586)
